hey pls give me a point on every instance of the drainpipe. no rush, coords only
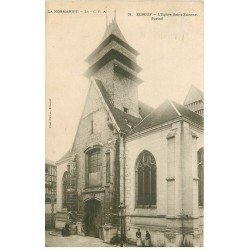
(124, 183)
(122, 177)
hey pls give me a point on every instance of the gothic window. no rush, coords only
(146, 179)
(200, 156)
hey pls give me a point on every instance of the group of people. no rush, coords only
(139, 239)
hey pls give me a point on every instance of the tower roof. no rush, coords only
(113, 29)
(111, 33)
(194, 94)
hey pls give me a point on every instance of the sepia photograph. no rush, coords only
(124, 123)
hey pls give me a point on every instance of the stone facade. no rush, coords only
(105, 139)
(176, 217)
(174, 147)
(123, 92)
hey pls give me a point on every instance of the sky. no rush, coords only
(171, 56)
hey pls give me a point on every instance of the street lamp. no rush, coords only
(121, 208)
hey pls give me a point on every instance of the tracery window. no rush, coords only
(146, 179)
(200, 156)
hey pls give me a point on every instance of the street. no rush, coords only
(57, 240)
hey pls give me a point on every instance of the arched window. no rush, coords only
(146, 179)
(47, 200)
(200, 156)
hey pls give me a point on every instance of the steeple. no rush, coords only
(113, 28)
(114, 63)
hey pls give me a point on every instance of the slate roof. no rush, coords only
(49, 162)
(114, 29)
(124, 121)
(194, 94)
(189, 114)
(144, 109)
(65, 156)
(166, 112)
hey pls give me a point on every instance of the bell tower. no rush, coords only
(114, 63)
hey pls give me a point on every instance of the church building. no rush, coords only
(132, 166)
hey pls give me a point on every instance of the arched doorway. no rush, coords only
(92, 217)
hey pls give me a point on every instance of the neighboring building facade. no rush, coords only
(126, 152)
(50, 192)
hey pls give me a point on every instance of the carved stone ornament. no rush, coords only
(171, 236)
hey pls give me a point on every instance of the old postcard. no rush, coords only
(124, 123)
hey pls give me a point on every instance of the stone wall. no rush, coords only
(103, 137)
(123, 92)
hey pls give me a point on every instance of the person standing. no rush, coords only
(147, 239)
(138, 238)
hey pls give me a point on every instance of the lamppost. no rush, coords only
(121, 208)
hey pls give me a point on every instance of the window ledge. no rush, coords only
(96, 186)
(146, 206)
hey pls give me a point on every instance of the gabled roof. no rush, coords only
(144, 109)
(113, 29)
(194, 94)
(49, 162)
(65, 156)
(123, 120)
(166, 112)
(189, 114)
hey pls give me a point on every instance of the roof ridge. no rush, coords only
(108, 104)
(188, 110)
(183, 106)
(177, 111)
(121, 119)
(140, 122)
(146, 117)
